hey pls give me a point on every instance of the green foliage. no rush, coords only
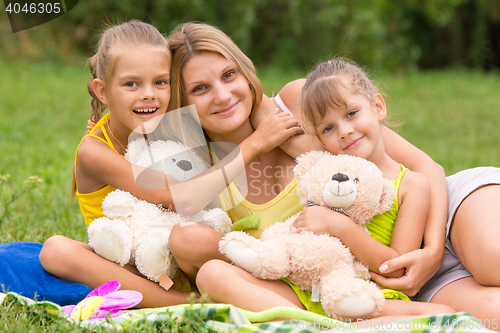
(8, 197)
(395, 35)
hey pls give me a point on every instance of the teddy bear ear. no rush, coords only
(306, 161)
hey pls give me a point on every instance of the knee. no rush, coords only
(195, 239)
(211, 275)
(55, 252)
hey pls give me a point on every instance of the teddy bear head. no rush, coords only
(345, 183)
(170, 157)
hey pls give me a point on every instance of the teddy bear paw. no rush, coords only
(242, 256)
(355, 306)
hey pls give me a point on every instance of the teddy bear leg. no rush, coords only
(152, 256)
(111, 239)
(265, 259)
(348, 298)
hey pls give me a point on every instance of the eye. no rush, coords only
(174, 160)
(356, 180)
(198, 89)
(328, 129)
(352, 113)
(131, 84)
(161, 82)
(229, 74)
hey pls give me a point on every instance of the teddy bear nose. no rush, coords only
(340, 177)
(184, 165)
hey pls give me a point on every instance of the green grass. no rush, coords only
(453, 116)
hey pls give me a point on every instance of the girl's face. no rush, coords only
(355, 129)
(139, 88)
(221, 94)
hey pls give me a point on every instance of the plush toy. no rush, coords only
(105, 300)
(321, 264)
(135, 231)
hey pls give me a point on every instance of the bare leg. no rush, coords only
(193, 245)
(469, 296)
(75, 261)
(225, 283)
(475, 234)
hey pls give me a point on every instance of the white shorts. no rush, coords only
(460, 186)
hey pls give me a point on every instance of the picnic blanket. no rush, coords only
(224, 318)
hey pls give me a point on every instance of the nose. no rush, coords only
(344, 130)
(340, 177)
(148, 92)
(184, 165)
(222, 94)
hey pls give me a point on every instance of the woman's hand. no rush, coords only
(420, 266)
(274, 129)
(318, 220)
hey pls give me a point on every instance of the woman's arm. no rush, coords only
(98, 165)
(290, 95)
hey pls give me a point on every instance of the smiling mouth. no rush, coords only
(145, 111)
(227, 109)
(353, 143)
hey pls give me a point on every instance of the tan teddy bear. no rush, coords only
(321, 264)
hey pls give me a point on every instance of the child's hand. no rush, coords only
(419, 266)
(90, 124)
(318, 220)
(276, 128)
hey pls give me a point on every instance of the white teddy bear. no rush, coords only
(321, 264)
(135, 231)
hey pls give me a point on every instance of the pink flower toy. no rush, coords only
(105, 300)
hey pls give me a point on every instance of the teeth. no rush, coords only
(145, 110)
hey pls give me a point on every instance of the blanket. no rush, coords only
(224, 318)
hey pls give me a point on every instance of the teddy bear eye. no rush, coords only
(174, 160)
(356, 180)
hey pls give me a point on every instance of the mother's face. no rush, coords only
(220, 92)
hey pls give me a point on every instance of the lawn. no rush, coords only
(451, 115)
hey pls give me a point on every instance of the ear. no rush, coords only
(100, 90)
(306, 161)
(379, 105)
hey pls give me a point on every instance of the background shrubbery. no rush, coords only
(393, 35)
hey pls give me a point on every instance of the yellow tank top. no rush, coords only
(278, 209)
(382, 225)
(91, 203)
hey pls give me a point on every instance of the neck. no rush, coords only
(119, 135)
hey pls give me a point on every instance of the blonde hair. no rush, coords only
(191, 39)
(327, 85)
(130, 34)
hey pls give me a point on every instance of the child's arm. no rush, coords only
(407, 233)
(98, 165)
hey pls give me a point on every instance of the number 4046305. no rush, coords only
(33, 8)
